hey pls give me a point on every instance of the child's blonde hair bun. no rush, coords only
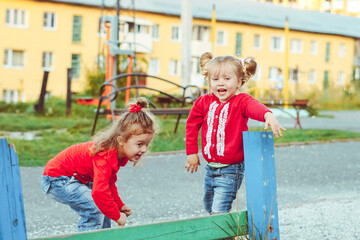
(249, 67)
(204, 64)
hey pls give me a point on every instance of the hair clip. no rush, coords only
(135, 108)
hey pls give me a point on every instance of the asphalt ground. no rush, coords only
(318, 189)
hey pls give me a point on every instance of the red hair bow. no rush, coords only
(135, 108)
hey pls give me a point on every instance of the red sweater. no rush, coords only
(221, 126)
(100, 169)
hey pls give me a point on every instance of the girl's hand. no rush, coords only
(125, 209)
(274, 124)
(122, 220)
(192, 162)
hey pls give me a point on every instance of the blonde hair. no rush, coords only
(128, 124)
(244, 68)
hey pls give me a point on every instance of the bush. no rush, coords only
(16, 107)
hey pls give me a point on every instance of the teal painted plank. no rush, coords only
(12, 216)
(260, 180)
(209, 227)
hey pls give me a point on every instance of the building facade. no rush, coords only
(56, 35)
(343, 7)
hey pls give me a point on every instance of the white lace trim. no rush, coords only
(220, 137)
(210, 123)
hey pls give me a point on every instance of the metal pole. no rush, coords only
(286, 67)
(186, 27)
(213, 31)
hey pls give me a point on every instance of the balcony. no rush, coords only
(143, 42)
(199, 47)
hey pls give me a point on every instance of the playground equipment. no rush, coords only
(260, 222)
(182, 101)
(283, 105)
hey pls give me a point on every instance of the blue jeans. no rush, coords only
(221, 186)
(70, 191)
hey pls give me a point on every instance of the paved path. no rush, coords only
(318, 190)
(318, 193)
(343, 120)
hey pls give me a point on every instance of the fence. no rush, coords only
(260, 220)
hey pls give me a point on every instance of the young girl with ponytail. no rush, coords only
(83, 176)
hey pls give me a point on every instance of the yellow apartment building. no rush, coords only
(40, 35)
(343, 7)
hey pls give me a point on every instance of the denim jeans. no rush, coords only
(221, 186)
(70, 191)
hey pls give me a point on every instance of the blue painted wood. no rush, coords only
(12, 216)
(260, 180)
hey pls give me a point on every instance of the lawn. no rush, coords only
(53, 134)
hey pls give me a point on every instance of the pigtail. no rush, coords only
(249, 68)
(204, 64)
(142, 102)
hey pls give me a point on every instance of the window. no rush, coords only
(156, 32)
(257, 41)
(14, 58)
(238, 44)
(293, 75)
(143, 29)
(296, 46)
(342, 51)
(327, 56)
(326, 79)
(353, 6)
(102, 28)
(173, 68)
(313, 48)
(16, 18)
(75, 65)
(101, 62)
(257, 76)
(153, 66)
(10, 96)
(277, 44)
(175, 33)
(340, 78)
(49, 21)
(201, 33)
(357, 73)
(221, 38)
(77, 22)
(312, 76)
(47, 62)
(195, 65)
(273, 73)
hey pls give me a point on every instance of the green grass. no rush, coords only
(57, 133)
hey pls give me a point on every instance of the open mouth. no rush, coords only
(138, 156)
(222, 91)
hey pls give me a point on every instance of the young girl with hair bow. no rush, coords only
(83, 176)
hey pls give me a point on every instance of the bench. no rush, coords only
(297, 104)
(182, 102)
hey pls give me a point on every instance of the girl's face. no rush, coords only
(135, 147)
(224, 82)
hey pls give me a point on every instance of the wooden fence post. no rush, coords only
(12, 216)
(68, 92)
(260, 181)
(39, 107)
